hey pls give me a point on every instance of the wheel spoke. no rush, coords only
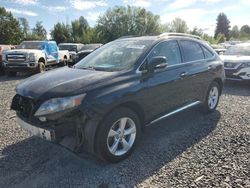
(125, 144)
(123, 123)
(114, 146)
(129, 131)
(112, 133)
(209, 102)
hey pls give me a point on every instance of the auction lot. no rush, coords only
(187, 150)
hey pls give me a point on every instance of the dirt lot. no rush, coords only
(187, 150)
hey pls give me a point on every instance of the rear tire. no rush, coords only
(212, 98)
(118, 135)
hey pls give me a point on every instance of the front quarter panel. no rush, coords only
(129, 88)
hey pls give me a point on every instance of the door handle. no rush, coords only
(183, 74)
(210, 67)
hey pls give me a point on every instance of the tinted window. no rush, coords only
(169, 49)
(207, 53)
(191, 51)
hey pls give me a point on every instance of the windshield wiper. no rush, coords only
(88, 68)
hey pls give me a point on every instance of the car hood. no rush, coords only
(85, 51)
(62, 82)
(23, 51)
(235, 59)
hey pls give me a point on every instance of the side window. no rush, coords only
(51, 47)
(169, 49)
(191, 51)
(207, 53)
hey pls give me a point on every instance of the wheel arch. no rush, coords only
(220, 82)
(41, 59)
(135, 107)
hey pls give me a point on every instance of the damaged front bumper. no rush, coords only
(75, 131)
(238, 74)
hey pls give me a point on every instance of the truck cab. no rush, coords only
(31, 56)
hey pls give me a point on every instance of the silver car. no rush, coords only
(237, 62)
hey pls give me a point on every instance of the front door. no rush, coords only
(166, 88)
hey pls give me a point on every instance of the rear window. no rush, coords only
(207, 53)
(191, 51)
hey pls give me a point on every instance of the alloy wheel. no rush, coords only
(121, 136)
(213, 97)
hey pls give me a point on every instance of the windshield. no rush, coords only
(115, 56)
(238, 50)
(90, 46)
(31, 45)
(68, 47)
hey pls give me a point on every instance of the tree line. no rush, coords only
(114, 23)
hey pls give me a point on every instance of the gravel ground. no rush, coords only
(187, 150)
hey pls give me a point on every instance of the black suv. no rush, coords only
(102, 104)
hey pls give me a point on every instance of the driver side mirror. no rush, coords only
(158, 62)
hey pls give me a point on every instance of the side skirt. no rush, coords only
(175, 111)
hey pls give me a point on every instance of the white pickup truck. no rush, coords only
(31, 56)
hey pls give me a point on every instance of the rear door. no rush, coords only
(52, 51)
(166, 88)
(196, 65)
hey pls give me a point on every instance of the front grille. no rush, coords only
(230, 65)
(23, 105)
(16, 57)
(83, 55)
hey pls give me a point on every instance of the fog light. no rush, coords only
(43, 119)
(32, 64)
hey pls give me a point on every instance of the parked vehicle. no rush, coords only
(86, 50)
(31, 56)
(219, 49)
(237, 62)
(103, 103)
(73, 49)
(2, 49)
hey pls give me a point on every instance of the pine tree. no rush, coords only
(222, 26)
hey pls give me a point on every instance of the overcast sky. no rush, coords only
(200, 13)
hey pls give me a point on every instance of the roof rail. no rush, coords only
(180, 34)
(127, 36)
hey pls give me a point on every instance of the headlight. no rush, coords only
(31, 57)
(245, 65)
(3, 57)
(59, 104)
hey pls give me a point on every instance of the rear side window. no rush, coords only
(191, 51)
(207, 53)
(169, 49)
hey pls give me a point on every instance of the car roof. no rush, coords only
(39, 41)
(243, 44)
(70, 43)
(164, 36)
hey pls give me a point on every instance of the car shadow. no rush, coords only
(37, 163)
(5, 78)
(237, 88)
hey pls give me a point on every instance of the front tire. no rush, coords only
(40, 67)
(118, 135)
(212, 97)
